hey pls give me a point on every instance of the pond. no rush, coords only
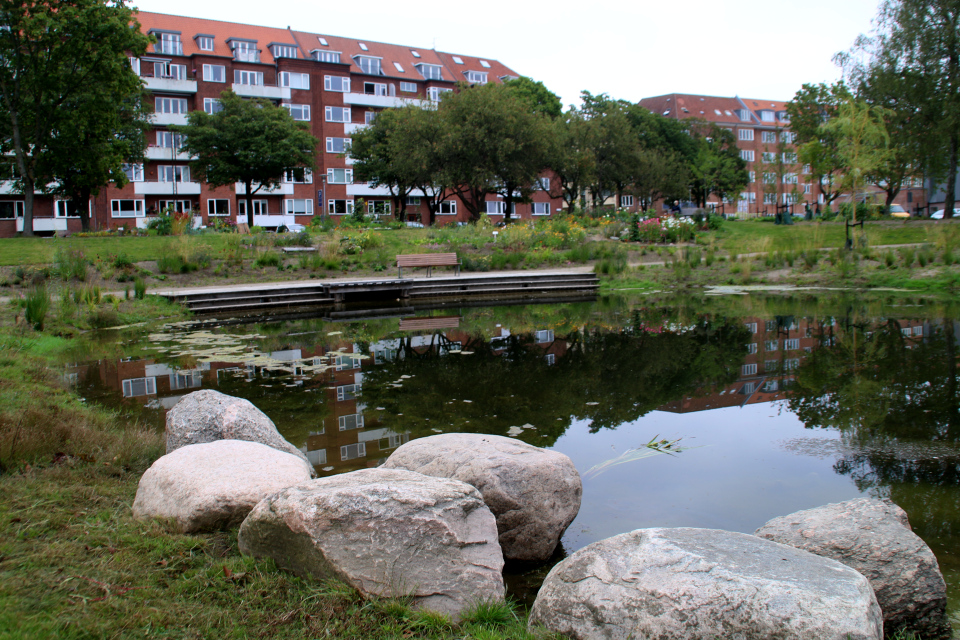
(764, 404)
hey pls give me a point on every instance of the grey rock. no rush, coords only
(662, 584)
(207, 415)
(204, 487)
(534, 493)
(387, 533)
(874, 537)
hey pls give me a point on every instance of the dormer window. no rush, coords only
(323, 41)
(508, 78)
(244, 50)
(744, 115)
(415, 54)
(767, 116)
(283, 50)
(476, 77)
(784, 116)
(326, 56)
(168, 43)
(484, 64)
(458, 59)
(369, 65)
(363, 47)
(204, 42)
(430, 71)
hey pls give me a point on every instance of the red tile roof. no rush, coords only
(717, 109)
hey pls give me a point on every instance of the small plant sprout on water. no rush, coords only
(655, 447)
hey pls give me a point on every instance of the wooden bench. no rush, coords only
(429, 322)
(428, 260)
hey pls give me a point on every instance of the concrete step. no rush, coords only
(259, 304)
(491, 290)
(231, 294)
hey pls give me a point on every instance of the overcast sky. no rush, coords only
(629, 50)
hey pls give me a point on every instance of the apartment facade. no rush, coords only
(762, 130)
(336, 84)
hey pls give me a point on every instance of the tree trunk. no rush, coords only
(247, 185)
(81, 197)
(950, 195)
(27, 206)
(507, 201)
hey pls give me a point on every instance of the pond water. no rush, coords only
(772, 404)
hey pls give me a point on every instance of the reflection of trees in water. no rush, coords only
(895, 400)
(627, 372)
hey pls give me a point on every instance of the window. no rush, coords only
(769, 198)
(139, 387)
(769, 157)
(771, 345)
(317, 457)
(134, 172)
(171, 105)
(746, 134)
(336, 83)
(135, 65)
(345, 363)
(326, 56)
(770, 386)
(751, 327)
(790, 198)
(126, 208)
(283, 51)
(218, 207)
(430, 71)
(294, 207)
(295, 80)
(338, 145)
(791, 344)
(542, 208)
(393, 440)
(369, 117)
(244, 51)
(751, 176)
(408, 87)
(180, 206)
(347, 392)
(496, 208)
(768, 137)
(790, 178)
(484, 64)
(744, 115)
(212, 105)
(770, 325)
(544, 336)
(299, 112)
(247, 77)
(323, 41)
(771, 365)
(749, 197)
(550, 358)
(415, 54)
(338, 114)
(413, 201)
(476, 77)
(783, 115)
(790, 157)
(749, 388)
(788, 137)
(918, 331)
(11, 209)
(769, 178)
(205, 43)
(339, 176)
(767, 116)
(752, 348)
(458, 59)
(398, 67)
(170, 140)
(169, 71)
(746, 154)
(749, 370)
(169, 43)
(339, 208)
(170, 173)
(353, 451)
(448, 208)
(626, 201)
(434, 93)
(368, 65)
(541, 184)
(214, 73)
(298, 175)
(791, 363)
(379, 208)
(259, 207)
(64, 209)
(363, 46)
(806, 188)
(374, 89)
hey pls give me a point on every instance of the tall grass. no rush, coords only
(35, 306)
(70, 264)
(139, 288)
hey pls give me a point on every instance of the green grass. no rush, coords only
(750, 236)
(24, 251)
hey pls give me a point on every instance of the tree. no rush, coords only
(614, 142)
(659, 174)
(813, 105)
(717, 168)
(376, 161)
(573, 161)
(61, 60)
(536, 95)
(248, 141)
(491, 143)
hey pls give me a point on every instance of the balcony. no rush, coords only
(7, 188)
(44, 224)
(261, 91)
(166, 153)
(246, 55)
(166, 188)
(170, 85)
(168, 47)
(370, 100)
(168, 118)
(364, 189)
(350, 127)
(283, 189)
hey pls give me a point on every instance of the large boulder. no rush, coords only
(388, 533)
(661, 584)
(534, 493)
(874, 537)
(207, 415)
(204, 487)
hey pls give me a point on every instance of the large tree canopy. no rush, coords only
(70, 101)
(252, 142)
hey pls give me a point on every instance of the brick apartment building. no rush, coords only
(762, 131)
(336, 84)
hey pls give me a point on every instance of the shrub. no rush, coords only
(169, 263)
(70, 263)
(35, 306)
(268, 259)
(304, 239)
(889, 259)
(122, 261)
(162, 224)
(139, 288)
(103, 318)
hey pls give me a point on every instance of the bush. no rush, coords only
(162, 224)
(268, 259)
(139, 288)
(35, 306)
(69, 264)
(122, 261)
(103, 318)
(169, 263)
(304, 239)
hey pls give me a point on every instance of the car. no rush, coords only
(897, 211)
(938, 215)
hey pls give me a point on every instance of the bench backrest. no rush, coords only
(427, 260)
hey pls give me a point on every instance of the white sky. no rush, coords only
(629, 50)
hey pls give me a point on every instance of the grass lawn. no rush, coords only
(753, 236)
(24, 251)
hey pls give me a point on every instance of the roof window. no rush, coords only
(667, 112)
(484, 64)
(398, 67)
(458, 59)
(415, 54)
(363, 46)
(717, 111)
(323, 41)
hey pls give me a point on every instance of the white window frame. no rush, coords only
(790, 178)
(768, 116)
(345, 390)
(260, 207)
(284, 51)
(752, 348)
(447, 208)
(408, 87)
(214, 73)
(379, 88)
(295, 80)
(299, 112)
(768, 157)
(330, 83)
(248, 78)
(748, 370)
(771, 345)
(769, 198)
(135, 171)
(170, 140)
(212, 106)
(768, 137)
(344, 113)
(331, 210)
(751, 327)
(541, 184)
(179, 206)
(345, 143)
(386, 208)
(298, 206)
(149, 387)
(369, 65)
(496, 208)
(434, 93)
(326, 56)
(544, 209)
(746, 135)
(413, 201)
(746, 155)
(212, 207)
(175, 105)
(791, 344)
(290, 176)
(65, 206)
(168, 173)
(626, 201)
(353, 451)
(18, 207)
(789, 157)
(116, 212)
(205, 43)
(135, 65)
(430, 71)
(476, 77)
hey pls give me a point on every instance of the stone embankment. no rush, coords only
(437, 520)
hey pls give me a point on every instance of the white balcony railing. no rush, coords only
(364, 189)
(169, 48)
(350, 127)
(168, 118)
(261, 91)
(166, 188)
(370, 100)
(246, 55)
(284, 189)
(166, 153)
(170, 85)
